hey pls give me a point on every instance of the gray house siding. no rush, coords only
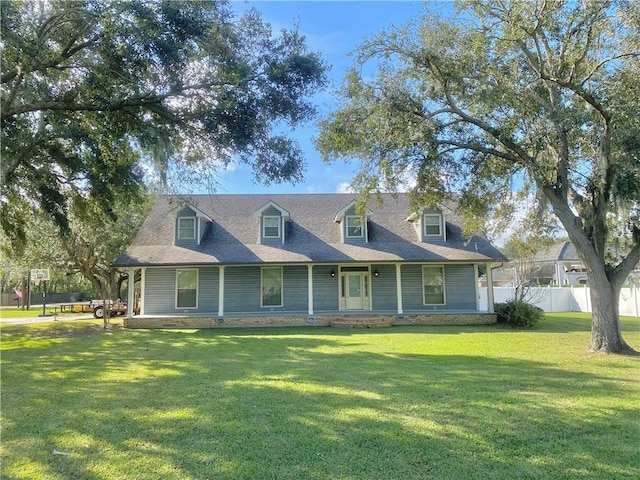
(295, 293)
(203, 223)
(461, 287)
(383, 288)
(160, 291)
(325, 288)
(460, 293)
(412, 287)
(242, 290)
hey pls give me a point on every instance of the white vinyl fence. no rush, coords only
(565, 299)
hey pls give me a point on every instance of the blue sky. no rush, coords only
(333, 29)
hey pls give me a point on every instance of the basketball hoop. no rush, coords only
(39, 274)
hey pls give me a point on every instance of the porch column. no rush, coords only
(490, 308)
(143, 272)
(399, 288)
(310, 288)
(131, 282)
(221, 291)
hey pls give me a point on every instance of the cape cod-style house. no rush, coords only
(303, 259)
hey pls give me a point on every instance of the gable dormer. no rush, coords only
(354, 226)
(190, 226)
(430, 224)
(271, 223)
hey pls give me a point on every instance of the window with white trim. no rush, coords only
(433, 292)
(187, 288)
(355, 227)
(432, 224)
(186, 228)
(271, 227)
(271, 286)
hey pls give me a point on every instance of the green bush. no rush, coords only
(518, 313)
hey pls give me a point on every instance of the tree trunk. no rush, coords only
(606, 336)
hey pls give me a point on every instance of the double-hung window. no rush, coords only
(271, 227)
(433, 290)
(355, 227)
(432, 225)
(187, 288)
(186, 228)
(271, 285)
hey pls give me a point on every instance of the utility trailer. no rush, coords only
(115, 308)
(73, 308)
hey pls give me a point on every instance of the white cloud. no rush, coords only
(344, 187)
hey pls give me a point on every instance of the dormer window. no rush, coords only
(432, 225)
(353, 224)
(187, 228)
(355, 227)
(271, 227)
(190, 227)
(272, 219)
(429, 224)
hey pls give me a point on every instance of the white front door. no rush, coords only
(355, 290)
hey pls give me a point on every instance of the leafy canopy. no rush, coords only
(528, 102)
(95, 95)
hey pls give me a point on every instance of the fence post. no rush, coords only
(587, 297)
(573, 298)
(635, 295)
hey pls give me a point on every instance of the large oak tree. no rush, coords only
(94, 93)
(507, 100)
(94, 241)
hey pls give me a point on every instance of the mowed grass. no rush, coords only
(481, 402)
(15, 312)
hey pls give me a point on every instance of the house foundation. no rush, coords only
(346, 321)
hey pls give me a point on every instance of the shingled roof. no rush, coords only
(312, 235)
(563, 251)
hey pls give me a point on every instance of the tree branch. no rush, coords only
(143, 100)
(480, 149)
(64, 55)
(624, 268)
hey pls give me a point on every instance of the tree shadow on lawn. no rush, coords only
(254, 405)
(566, 322)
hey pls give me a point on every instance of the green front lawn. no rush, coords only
(15, 312)
(482, 402)
(8, 313)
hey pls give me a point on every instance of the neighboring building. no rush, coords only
(557, 265)
(303, 260)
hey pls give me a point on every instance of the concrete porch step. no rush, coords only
(362, 322)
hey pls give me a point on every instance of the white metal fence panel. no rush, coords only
(563, 299)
